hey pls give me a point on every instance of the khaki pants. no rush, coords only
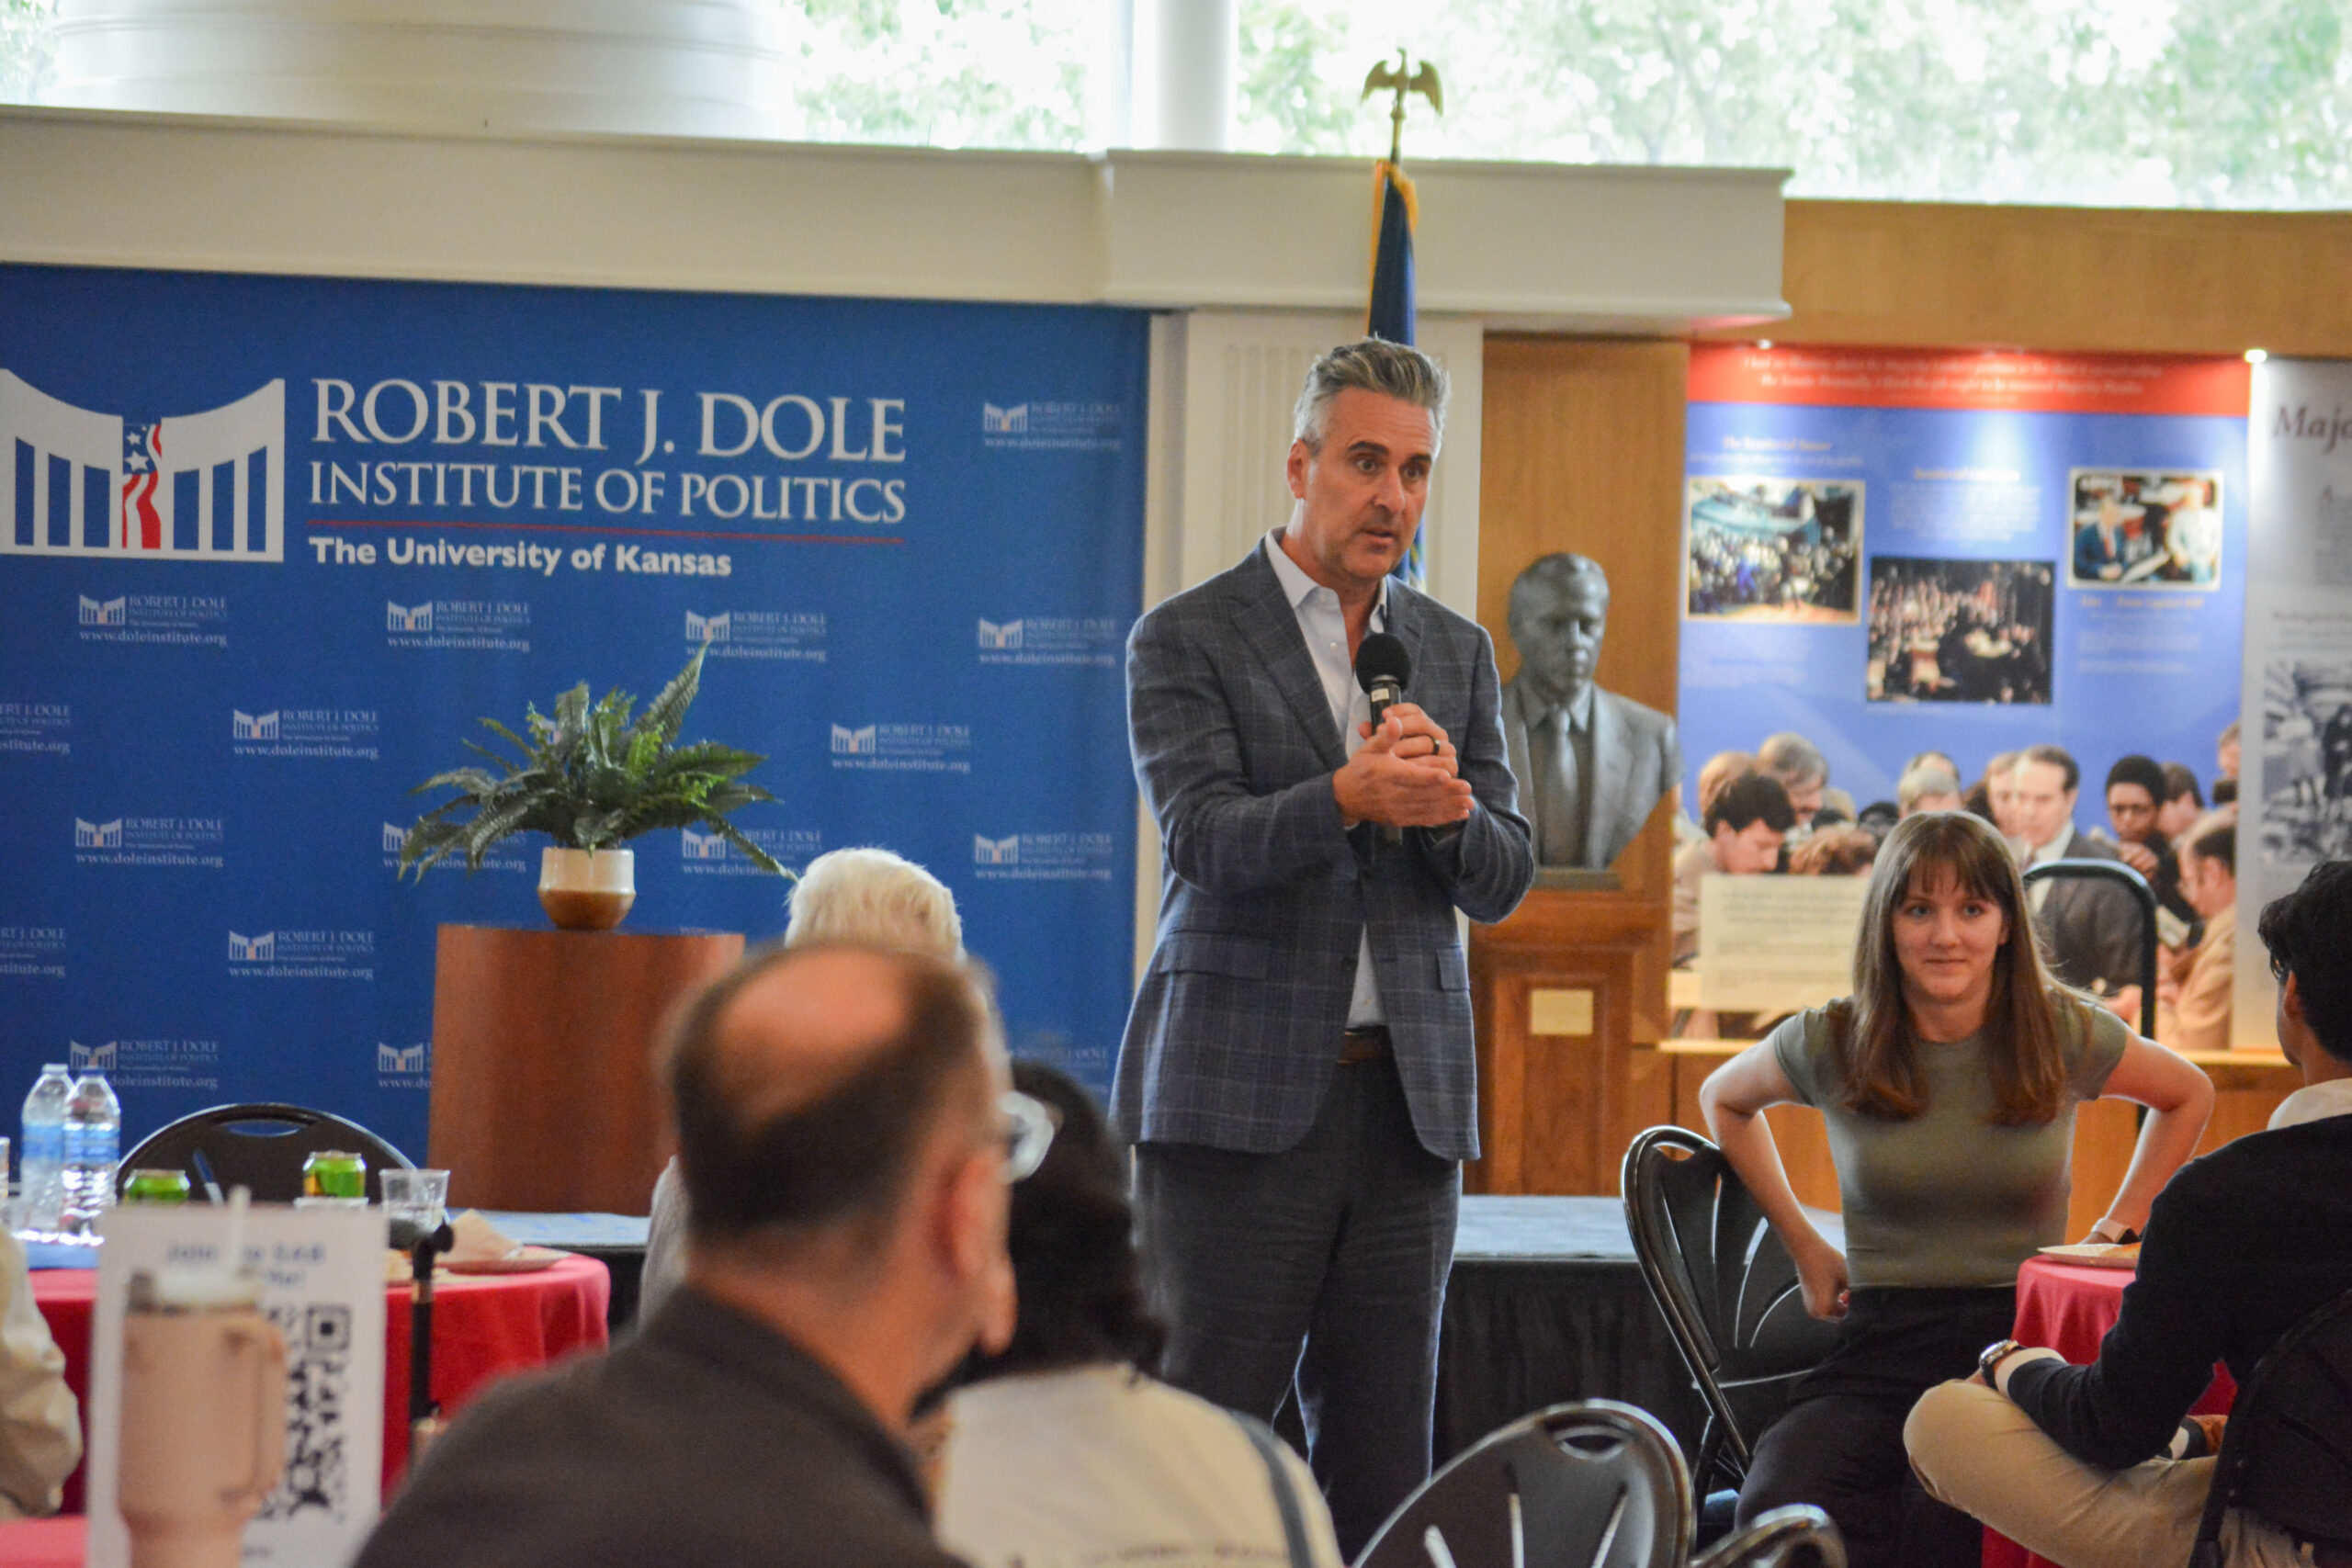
(1975, 1450)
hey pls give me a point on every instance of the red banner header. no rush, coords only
(1948, 379)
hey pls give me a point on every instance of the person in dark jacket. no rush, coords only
(2094, 1465)
(846, 1137)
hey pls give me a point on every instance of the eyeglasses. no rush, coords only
(1029, 1127)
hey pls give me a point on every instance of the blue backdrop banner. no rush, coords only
(272, 546)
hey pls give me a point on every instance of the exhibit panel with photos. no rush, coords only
(2295, 809)
(1892, 552)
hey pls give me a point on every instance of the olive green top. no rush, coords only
(1950, 1197)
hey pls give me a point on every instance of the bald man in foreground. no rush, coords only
(844, 1157)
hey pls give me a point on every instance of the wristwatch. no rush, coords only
(2106, 1230)
(1994, 1354)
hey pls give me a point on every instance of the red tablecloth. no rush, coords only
(61, 1542)
(2069, 1308)
(483, 1328)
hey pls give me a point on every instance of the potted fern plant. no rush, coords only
(590, 778)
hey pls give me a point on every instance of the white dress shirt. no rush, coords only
(2330, 1097)
(2038, 894)
(1325, 627)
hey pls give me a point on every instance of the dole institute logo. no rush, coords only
(995, 421)
(245, 725)
(113, 611)
(91, 1058)
(121, 479)
(709, 628)
(413, 1062)
(858, 743)
(993, 636)
(996, 852)
(98, 835)
(261, 949)
(407, 619)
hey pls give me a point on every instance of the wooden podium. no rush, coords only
(543, 1088)
(1569, 993)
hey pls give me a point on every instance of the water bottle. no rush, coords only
(93, 1144)
(44, 1149)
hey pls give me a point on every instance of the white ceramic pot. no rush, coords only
(587, 890)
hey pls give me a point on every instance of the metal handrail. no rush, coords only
(2116, 871)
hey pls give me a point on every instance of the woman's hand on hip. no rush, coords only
(1821, 1272)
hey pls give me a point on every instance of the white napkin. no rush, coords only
(479, 1241)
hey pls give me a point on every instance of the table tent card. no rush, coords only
(322, 1273)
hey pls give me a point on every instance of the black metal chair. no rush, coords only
(1785, 1538)
(2287, 1453)
(1727, 1290)
(2143, 896)
(1597, 1484)
(260, 1147)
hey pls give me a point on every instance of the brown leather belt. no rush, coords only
(1358, 1046)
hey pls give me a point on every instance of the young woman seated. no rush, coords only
(1948, 1081)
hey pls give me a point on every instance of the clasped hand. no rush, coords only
(1405, 774)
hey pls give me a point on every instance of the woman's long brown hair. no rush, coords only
(1872, 1031)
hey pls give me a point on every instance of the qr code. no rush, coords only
(318, 1398)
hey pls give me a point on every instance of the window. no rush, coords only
(2165, 103)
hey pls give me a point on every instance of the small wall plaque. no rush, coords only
(1559, 1013)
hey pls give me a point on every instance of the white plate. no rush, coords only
(521, 1260)
(2097, 1253)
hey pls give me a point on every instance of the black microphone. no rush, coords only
(1381, 668)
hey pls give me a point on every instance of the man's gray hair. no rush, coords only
(1371, 365)
(876, 897)
(1792, 759)
(1926, 778)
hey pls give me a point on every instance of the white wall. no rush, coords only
(1548, 247)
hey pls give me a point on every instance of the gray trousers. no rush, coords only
(1323, 1265)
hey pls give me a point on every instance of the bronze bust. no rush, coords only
(1592, 765)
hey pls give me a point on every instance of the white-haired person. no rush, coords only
(1928, 786)
(858, 896)
(1804, 772)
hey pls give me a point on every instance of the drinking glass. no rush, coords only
(414, 1200)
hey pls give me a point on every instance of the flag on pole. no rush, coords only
(1394, 209)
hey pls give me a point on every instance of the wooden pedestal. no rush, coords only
(543, 1090)
(1566, 989)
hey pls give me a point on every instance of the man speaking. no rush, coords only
(1298, 1072)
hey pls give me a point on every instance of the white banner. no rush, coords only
(2295, 779)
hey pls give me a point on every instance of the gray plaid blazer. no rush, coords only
(1236, 1028)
